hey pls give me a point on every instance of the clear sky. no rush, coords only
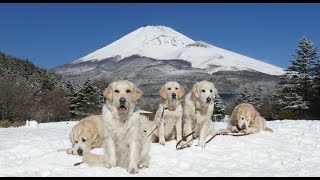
(52, 34)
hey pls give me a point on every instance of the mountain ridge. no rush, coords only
(164, 43)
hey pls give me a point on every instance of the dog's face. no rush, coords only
(122, 94)
(204, 91)
(244, 118)
(171, 91)
(82, 140)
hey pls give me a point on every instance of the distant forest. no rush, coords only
(28, 92)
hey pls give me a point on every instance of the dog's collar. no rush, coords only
(164, 107)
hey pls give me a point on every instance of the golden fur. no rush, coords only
(245, 118)
(126, 141)
(170, 126)
(86, 135)
(197, 112)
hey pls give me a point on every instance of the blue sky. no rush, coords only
(52, 34)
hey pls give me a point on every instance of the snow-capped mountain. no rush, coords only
(164, 43)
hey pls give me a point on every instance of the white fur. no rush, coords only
(86, 135)
(169, 113)
(197, 112)
(125, 136)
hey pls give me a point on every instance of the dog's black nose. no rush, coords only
(208, 100)
(243, 126)
(80, 151)
(174, 95)
(122, 100)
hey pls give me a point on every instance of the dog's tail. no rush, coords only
(94, 159)
(268, 129)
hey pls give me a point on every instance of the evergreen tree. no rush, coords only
(303, 67)
(288, 99)
(316, 91)
(254, 93)
(297, 88)
(86, 101)
(219, 109)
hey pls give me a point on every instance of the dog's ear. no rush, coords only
(196, 90)
(254, 115)
(181, 91)
(234, 116)
(107, 93)
(163, 93)
(96, 139)
(137, 93)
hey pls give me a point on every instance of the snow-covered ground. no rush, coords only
(292, 150)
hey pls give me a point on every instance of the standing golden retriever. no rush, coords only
(169, 114)
(126, 142)
(245, 118)
(86, 135)
(198, 110)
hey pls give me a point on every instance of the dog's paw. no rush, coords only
(143, 165)
(235, 131)
(110, 165)
(162, 143)
(244, 131)
(187, 144)
(202, 145)
(69, 151)
(133, 169)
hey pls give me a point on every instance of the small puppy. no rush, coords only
(169, 113)
(245, 118)
(86, 135)
(198, 110)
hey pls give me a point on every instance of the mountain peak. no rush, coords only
(164, 43)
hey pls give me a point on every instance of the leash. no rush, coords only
(222, 133)
(158, 122)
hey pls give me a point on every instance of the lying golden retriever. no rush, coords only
(86, 135)
(197, 112)
(169, 113)
(245, 118)
(125, 131)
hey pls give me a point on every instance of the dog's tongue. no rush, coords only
(122, 108)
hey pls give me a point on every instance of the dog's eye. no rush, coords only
(83, 140)
(211, 90)
(176, 88)
(203, 90)
(241, 118)
(169, 88)
(116, 91)
(128, 91)
(76, 141)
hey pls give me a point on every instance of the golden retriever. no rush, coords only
(126, 142)
(198, 111)
(169, 114)
(245, 118)
(86, 135)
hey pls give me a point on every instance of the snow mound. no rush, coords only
(31, 123)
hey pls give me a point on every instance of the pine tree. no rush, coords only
(244, 95)
(297, 85)
(219, 109)
(288, 103)
(304, 63)
(86, 101)
(316, 91)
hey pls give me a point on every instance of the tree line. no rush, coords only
(28, 92)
